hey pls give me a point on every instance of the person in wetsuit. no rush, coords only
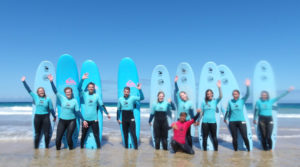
(235, 114)
(160, 110)
(92, 102)
(180, 129)
(263, 112)
(209, 124)
(126, 105)
(43, 108)
(69, 111)
(184, 105)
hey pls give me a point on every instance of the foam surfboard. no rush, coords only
(41, 80)
(208, 80)
(264, 80)
(186, 82)
(128, 76)
(160, 81)
(67, 76)
(229, 84)
(91, 68)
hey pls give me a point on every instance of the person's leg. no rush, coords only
(213, 132)
(243, 131)
(205, 132)
(174, 146)
(95, 127)
(47, 129)
(263, 132)
(269, 132)
(70, 131)
(164, 134)
(125, 127)
(133, 134)
(37, 129)
(233, 131)
(61, 128)
(187, 148)
(83, 135)
(157, 134)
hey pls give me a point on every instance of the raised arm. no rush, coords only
(50, 77)
(248, 90)
(176, 91)
(283, 94)
(25, 84)
(220, 92)
(85, 76)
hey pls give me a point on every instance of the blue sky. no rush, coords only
(236, 33)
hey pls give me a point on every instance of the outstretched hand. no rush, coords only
(85, 76)
(85, 124)
(119, 122)
(219, 84)
(176, 79)
(139, 86)
(291, 88)
(175, 127)
(248, 82)
(169, 100)
(23, 78)
(50, 77)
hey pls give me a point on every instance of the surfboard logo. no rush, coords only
(210, 78)
(46, 68)
(210, 70)
(264, 77)
(222, 72)
(183, 70)
(183, 79)
(160, 82)
(70, 81)
(225, 81)
(130, 84)
(160, 73)
(263, 68)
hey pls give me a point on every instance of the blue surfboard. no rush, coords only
(208, 80)
(160, 81)
(67, 76)
(128, 76)
(229, 84)
(264, 80)
(186, 82)
(94, 76)
(41, 80)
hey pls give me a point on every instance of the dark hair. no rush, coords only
(91, 83)
(183, 113)
(236, 91)
(68, 88)
(206, 98)
(266, 92)
(127, 88)
(37, 91)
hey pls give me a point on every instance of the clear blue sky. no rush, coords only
(232, 32)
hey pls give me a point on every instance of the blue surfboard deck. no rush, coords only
(264, 80)
(229, 84)
(41, 80)
(186, 82)
(91, 68)
(128, 76)
(67, 76)
(208, 80)
(160, 81)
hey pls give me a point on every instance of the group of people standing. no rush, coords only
(182, 139)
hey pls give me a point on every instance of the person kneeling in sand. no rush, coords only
(180, 131)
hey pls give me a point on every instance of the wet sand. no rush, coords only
(21, 153)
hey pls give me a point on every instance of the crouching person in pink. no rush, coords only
(180, 128)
